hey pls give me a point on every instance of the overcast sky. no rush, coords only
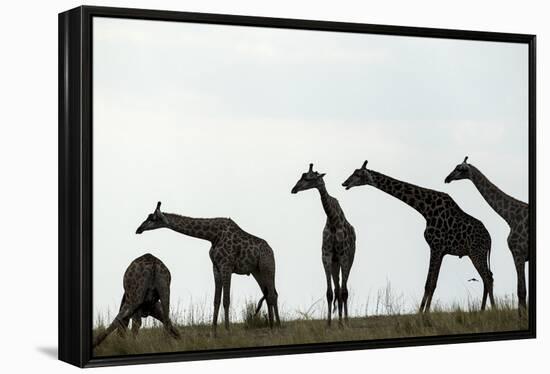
(220, 121)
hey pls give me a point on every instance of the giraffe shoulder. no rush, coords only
(446, 198)
(227, 221)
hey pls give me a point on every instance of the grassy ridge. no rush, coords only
(253, 332)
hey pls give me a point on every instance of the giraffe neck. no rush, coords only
(418, 198)
(330, 204)
(505, 205)
(202, 228)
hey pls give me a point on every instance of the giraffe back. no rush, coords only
(241, 251)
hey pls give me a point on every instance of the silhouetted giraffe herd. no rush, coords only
(449, 230)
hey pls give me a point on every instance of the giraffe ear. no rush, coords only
(322, 175)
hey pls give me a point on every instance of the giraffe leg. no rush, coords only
(345, 295)
(276, 309)
(482, 267)
(136, 324)
(131, 301)
(490, 291)
(262, 284)
(265, 277)
(272, 301)
(522, 289)
(226, 284)
(122, 327)
(335, 270)
(217, 298)
(345, 275)
(158, 314)
(329, 293)
(163, 287)
(260, 278)
(270, 314)
(119, 323)
(423, 303)
(272, 297)
(121, 330)
(431, 282)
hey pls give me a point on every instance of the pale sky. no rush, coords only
(221, 121)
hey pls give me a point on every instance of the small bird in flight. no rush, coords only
(473, 280)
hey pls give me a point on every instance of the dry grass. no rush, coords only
(253, 330)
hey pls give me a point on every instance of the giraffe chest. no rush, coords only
(338, 241)
(518, 240)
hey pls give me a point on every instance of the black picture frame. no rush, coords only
(75, 182)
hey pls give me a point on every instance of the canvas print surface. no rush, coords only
(261, 187)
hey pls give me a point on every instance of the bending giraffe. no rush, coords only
(146, 293)
(233, 251)
(449, 230)
(513, 211)
(338, 249)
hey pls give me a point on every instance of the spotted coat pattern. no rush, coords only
(513, 211)
(449, 230)
(146, 293)
(233, 251)
(338, 248)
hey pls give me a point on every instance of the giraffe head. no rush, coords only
(359, 177)
(461, 171)
(155, 220)
(310, 179)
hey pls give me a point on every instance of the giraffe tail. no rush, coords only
(262, 300)
(334, 306)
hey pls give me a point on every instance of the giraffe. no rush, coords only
(513, 211)
(449, 230)
(146, 293)
(338, 248)
(233, 251)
